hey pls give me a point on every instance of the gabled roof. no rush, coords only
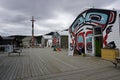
(8, 38)
(51, 33)
(47, 36)
(63, 33)
(65, 29)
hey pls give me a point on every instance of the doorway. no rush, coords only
(98, 43)
(98, 40)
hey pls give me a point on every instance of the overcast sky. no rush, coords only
(50, 15)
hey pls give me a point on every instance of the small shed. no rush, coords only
(46, 41)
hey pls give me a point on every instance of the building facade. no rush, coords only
(94, 29)
(60, 39)
(27, 42)
(46, 41)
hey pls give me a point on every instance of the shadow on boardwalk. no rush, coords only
(44, 64)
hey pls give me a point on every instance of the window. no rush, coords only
(97, 30)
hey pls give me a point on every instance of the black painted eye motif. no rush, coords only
(95, 17)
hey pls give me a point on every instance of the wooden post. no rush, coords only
(32, 31)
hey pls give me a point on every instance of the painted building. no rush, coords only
(55, 40)
(94, 29)
(60, 39)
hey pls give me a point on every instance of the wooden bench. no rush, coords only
(16, 50)
(117, 61)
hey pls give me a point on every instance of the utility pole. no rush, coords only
(33, 20)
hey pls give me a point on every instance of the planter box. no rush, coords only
(109, 54)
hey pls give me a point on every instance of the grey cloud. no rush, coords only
(19, 13)
(17, 19)
(42, 8)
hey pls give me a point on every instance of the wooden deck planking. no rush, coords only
(40, 64)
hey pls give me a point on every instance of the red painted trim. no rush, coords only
(81, 43)
(88, 32)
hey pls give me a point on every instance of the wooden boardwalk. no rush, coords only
(44, 64)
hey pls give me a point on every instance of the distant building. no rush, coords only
(27, 42)
(8, 42)
(46, 41)
(55, 39)
(60, 39)
(39, 39)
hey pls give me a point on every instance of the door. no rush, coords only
(98, 43)
(98, 40)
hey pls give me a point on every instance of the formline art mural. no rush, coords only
(93, 27)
